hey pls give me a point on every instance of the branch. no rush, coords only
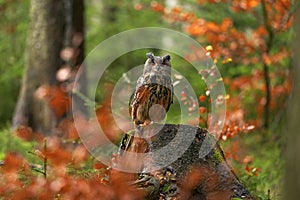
(265, 65)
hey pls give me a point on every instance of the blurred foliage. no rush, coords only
(259, 167)
(256, 157)
(14, 20)
(12, 143)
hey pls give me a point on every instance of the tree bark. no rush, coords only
(292, 180)
(201, 172)
(44, 43)
(74, 38)
(54, 24)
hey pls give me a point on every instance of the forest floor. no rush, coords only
(257, 162)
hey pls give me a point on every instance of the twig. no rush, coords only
(34, 167)
(265, 65)
(45, 158)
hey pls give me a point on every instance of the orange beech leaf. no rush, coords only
(261, 31)
(58, 156)
(212, 26)
(201, 1)
(266, 58)
(183, 96)
(176, 10)
(25, 133)
(253, 171)
(13, 162)
(226, 24)
(59, 101)
(202, 110)
(202, 98)
(69, 129)
(157, 7)
(187, 16)
(196, 28)
(202, 121)
(79, 155)
(244, 5)
(99, 165)
(57, 184)
(138, 6)
(56, 153)
(247, 159)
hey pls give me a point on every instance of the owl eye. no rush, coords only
(151, 56)
(166, 58)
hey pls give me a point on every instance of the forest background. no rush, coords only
(251, 43)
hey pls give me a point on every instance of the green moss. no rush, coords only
(217, 156)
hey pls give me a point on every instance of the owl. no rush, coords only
(153, 94)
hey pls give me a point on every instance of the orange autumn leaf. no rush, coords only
(212, 26)
(202, 98)
(157, 7)
(99, 165)
(79, 154)
(58, 156)
(226, 24)
(196, 28)
(176, 10)
(138, 6)
(266, 58)
(202, 110)
(68, 128)
(13, 162)
(59, 100)
(187, 16)
(25, 133)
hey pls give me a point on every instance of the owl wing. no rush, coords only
(169, 97)
(133, 102)
(138, 98)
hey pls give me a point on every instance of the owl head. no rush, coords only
(157, 64)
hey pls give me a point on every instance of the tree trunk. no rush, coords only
(44, 43)
(74, 38)
(293, 137)
(200, 172)
(55, 24)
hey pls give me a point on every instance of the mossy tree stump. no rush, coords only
(199, 172)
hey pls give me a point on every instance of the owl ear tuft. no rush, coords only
(166, 58)
(151, 56)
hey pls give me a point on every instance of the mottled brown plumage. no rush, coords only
(153, 92)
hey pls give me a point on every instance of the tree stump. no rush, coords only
(199, 169)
